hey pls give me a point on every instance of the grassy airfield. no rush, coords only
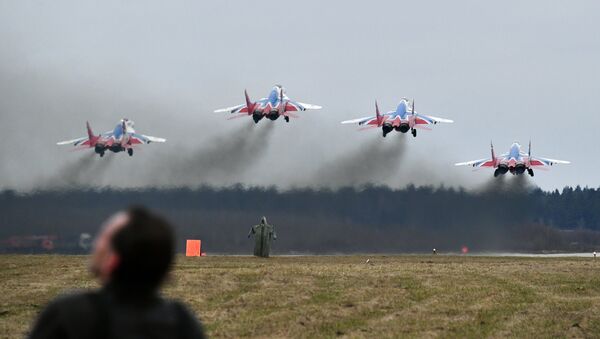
(327, 296)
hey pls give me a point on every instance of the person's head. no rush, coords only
(263, 220)
(135, 247)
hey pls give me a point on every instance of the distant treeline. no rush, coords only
(367, 219)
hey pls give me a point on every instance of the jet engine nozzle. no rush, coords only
(520, 168)
(500, 170)
(387, 128)
(257, 117)
(403, 128)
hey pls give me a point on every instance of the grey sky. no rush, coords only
(503, 71)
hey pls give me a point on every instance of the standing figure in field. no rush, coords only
(263, 235)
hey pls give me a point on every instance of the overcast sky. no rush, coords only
(504, 71)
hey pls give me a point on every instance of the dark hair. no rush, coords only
(145, 246)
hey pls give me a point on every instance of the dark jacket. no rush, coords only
(116, 313)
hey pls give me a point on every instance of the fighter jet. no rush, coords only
(275, 105)
(403, 119)
(122, 138)
(515, 161)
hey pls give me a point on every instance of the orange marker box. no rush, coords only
(192, 248)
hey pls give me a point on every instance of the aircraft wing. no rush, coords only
(233, 109)
(540, 162)
(74, 142)
(242, 108)
(360, 121)
(145, 139)
(428, 120)
(305, 106)
(487, 162)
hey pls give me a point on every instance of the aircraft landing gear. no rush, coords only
(530, 171)
(287, 119)
(414, 132)
(101, 154)
(130, 152)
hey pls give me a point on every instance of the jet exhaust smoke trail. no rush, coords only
(226, 158)
(521, 184)
(74, 173)
(492, 184)
(87, 171)
(506, 184)
(372, 162)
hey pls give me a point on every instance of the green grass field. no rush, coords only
(328, 296)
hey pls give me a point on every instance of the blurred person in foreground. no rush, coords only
(131, 258)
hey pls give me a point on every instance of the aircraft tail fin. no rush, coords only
(529, 150)
(493, 153)
(377, 113)
(249, 102)
(89, 131)
(92, 139)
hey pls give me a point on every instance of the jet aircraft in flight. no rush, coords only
(515, 161)
(276, 105)
(403, 119)
(122, 138)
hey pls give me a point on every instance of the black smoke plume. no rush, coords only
(86, 172)
(372, 162)
(226, 158)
